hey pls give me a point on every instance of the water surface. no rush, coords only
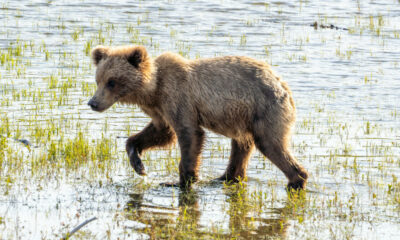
(345, 83)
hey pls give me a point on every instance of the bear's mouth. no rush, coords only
(100, 109)
(95, 108)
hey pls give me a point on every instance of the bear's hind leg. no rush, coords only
(281, 156)
(150, 136)
(238, 161)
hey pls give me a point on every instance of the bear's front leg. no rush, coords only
(136, 161)
(153, 135)
(191, 142)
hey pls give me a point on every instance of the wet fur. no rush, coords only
(238, 97)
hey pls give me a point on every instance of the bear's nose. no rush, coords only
(93, 104)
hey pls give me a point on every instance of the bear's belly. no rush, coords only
(227, 132)
(227, 123)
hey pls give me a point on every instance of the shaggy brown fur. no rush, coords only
(238, 97)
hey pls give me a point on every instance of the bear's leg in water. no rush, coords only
(151, 136)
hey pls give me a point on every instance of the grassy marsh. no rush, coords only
(61, 163)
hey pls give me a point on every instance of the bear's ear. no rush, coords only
(137, 56)
(99, 53)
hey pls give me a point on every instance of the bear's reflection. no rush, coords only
(244, 221)
(248, 221)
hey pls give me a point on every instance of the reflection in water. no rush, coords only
(245, 218)
(345, 83)
(166, 221)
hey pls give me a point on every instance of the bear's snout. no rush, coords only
(93, 104)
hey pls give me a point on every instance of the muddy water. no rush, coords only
(345, 83)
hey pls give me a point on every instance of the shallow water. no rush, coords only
(345, 83)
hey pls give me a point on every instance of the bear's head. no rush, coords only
(122, 75)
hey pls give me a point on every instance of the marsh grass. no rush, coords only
(75, 167)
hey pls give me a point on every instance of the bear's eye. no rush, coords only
(111, 84)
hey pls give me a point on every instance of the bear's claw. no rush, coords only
(300, 185)
(227, 179)
(170, 184)
(136, 162)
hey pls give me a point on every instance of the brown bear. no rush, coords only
(238, 97)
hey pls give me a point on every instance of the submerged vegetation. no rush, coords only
(61, 163)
